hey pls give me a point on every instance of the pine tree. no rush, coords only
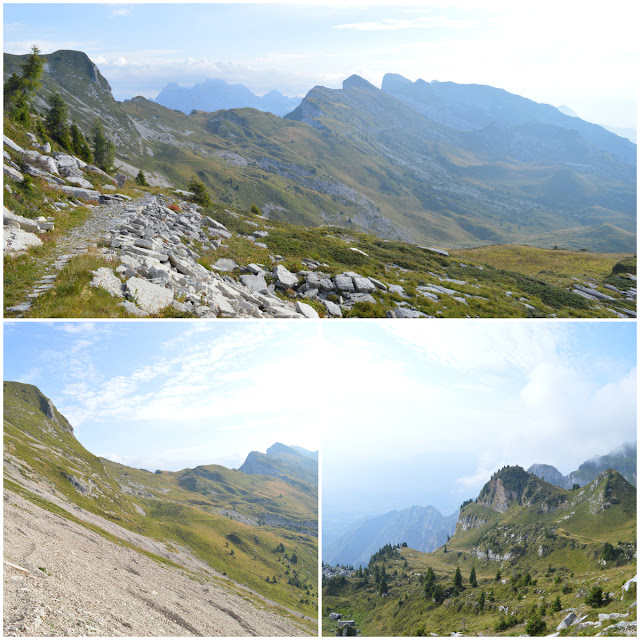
(482, 600)
(141, 179)
(457, 581)
(472, 577)
(103, 148)
(429, 582)
(200, 195)
(498, 576)
(56, 121)
(557, 605)
(383, 588)
(18, 89)
(79, 145)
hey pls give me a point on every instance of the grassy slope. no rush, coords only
(555, 549)
(243, 552)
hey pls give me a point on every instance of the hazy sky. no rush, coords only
(583, 55)
(424, 412)
(169, 395)
(404, 412)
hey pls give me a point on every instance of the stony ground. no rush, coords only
(61, 579)
(79, 240)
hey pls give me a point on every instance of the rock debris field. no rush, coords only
(61, 579)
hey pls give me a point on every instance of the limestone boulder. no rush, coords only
(284, 278)
(148, 296)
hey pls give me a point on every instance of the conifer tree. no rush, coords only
(79, 145)
(103, 148)
(457, 581)
(18, 89)
(141, 179)
(56, 121)
(472, 577)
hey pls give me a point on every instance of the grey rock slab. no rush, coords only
(107, 280)
(306, 310)
(225, 264)
(255, 269)
(12, 173)
(592, 292)
(132, 309)
(360, 297)
(344, 283)
(26, 224)
(363, 285)
(148, 296)
(380, 285)
(47, 163)
(80, 182)
(254, 282)
(82, 194)
(20, 308)
(332, 308)
(11, 144)
(427, 294)
(17, 240)
(284, 278)
(568, 620)
(396, 288)
(585, 295)
(401, 312)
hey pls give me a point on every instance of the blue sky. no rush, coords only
(404, 412)
(169, 395)
(548, 51)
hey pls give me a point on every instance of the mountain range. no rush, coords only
(214, 94)
(526, 555)
(623, 459)
(422, 528)
(249, 541)
(455, 165)
(425, 528)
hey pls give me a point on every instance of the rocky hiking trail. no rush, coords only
(79, 241)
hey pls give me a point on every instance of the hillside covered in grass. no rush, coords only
(525, 555)
(394, 161)
(253, 535)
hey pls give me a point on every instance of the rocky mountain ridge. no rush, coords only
(372, 159)
(422, 528)
(214, 94)
(622, 459)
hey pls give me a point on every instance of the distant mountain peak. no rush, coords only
(357, 82)
(214, 94)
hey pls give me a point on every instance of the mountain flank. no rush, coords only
(527, 557)
(346, 207)
(241, 549)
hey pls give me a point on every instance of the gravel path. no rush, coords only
(101, 220)
(61, 579)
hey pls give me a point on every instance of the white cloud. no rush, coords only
(421, 22)
(120, 12)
